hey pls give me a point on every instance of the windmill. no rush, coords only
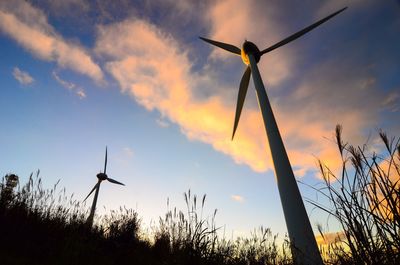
(304, 246)
(101, 176)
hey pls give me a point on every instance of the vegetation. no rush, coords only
(365, 200)
(40, 226)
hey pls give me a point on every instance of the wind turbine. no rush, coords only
(101, 176)
(304, 247)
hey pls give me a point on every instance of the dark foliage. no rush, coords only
(40, 226)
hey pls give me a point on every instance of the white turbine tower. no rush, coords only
(304, 247)
(100, 177)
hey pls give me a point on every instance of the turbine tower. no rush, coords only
(100, 177)
(304, 247)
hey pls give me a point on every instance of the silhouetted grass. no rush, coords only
(45, 226)
(365, 199)
(187, 237)
(39, 226)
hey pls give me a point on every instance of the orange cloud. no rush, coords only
(234, 21)
(155, 69)
(237, 198)
(329, 243)
(386, 175)
(157, 74)
(330, 238)
(29, 27)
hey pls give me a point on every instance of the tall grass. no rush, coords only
(187, 237)
(365, 200)
(45, 226)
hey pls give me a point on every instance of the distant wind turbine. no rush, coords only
(101, 177)
(304, 246)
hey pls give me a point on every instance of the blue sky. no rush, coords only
(77, 76)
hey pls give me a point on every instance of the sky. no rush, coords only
(77, 76)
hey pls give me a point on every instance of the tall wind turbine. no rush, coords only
(100, 177)
(304, 246)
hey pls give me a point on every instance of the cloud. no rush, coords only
(385, 182)
(128, 152)
(237, 198)
(155, 69)
(162, 123)
(66, 84)
(330, 238)
(325, 97)
(156, 73)
(29, 27)
(79, 91)
(234, 21)
(327, 241)
(392, 102)
(22, 77)
(68, 7)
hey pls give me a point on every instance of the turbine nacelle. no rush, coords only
(249, 48)
(102, 176)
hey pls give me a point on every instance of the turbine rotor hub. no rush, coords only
(102, 176)
(250, 48)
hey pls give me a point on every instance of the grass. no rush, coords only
(365, 200)
(45, 226)
(39, 226)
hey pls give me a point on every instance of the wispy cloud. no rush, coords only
(22, 77)
(29, 27)
(392, 101)
(237, 198)
(79, 91)
(66, 84)
(128, 152)
(162, 123)
(68, 7)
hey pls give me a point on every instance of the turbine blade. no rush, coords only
(115, 182)
(228, 47)
(301, 32)
(244, 84)
(95, 186)
(105, 162)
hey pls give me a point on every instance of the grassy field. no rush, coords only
(45, 226)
